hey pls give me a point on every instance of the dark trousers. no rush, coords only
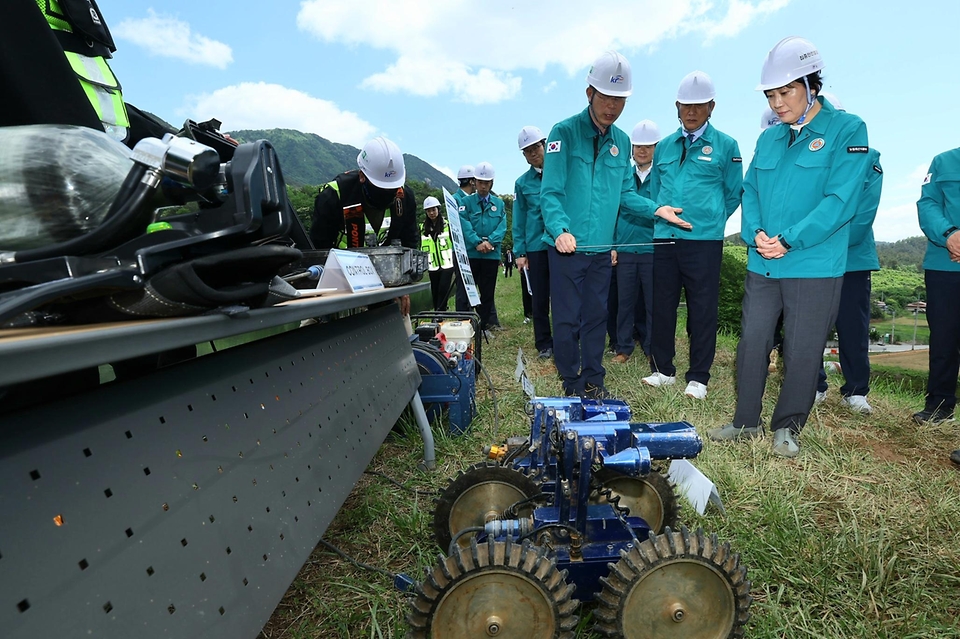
(485, 275)
(613, 308)
(539, 274)
(943, 316)
(694, 266)
(579, 285)
(508, 269)
(853, 333)
(809, 308)
(635, 300)
(440, 281)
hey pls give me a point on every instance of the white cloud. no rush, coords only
(446, 170)
(450, 47)
(550, 87)
(258, 105)
(739, 16)
(420, 77)
(896, 222)
(914, 180)
(172, 38)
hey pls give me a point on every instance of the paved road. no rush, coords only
(885, 348)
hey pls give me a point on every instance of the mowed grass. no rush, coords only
(858, 537)
(903, 327)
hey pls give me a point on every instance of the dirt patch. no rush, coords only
(912, 360)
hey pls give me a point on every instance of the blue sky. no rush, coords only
(453, 82)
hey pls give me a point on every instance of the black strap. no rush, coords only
(76, 44)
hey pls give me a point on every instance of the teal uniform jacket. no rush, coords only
(862, 253)
(806, 193)
(459, 196)
(630, 231)
(478, 221)
(705, 180)
(527, 218)
(587, 178)
(939, 209)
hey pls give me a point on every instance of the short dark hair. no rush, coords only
(465, 181)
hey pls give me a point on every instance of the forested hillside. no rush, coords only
(308, 159)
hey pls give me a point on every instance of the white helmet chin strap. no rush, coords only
(810, 100)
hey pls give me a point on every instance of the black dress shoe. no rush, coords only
(546, 353)
(933, 415)
(955, 457)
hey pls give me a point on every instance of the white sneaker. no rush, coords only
(696, 390)
(821, 395)
(659, 379)
(857, 404)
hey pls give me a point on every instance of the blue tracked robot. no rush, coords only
(578, 507)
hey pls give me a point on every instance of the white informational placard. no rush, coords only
(460, 248)
(521, 369)
(349, 272)
(694, 485)
(520, 373)
(528, 387)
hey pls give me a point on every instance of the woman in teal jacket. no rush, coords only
(939, 211)
(800, 193)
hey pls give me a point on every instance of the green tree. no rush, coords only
(733, 271)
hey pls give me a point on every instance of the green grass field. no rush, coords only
(903, 328)
(858, 537)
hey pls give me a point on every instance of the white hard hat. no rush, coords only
(529, 135)
(791, 59)
(485, 171)
(646, 132)
(768, 119)
(465, 173)
(696, 88)
(834, 100)
(382, 162)
(430, 202)
(610, 75)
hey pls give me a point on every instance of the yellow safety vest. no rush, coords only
(97, 79)
(441, 250)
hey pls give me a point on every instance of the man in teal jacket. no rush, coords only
(631, 295)
(853, 316)
(801, 191)
(587, 178)
(700, 170)
(484, 222)
(939, 211)
(528, 244)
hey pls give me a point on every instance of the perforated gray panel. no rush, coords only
(183, 504)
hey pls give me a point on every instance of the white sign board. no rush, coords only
(694, 485)
(349, 271)
(520, 373)
(460, 248)
(521, 369)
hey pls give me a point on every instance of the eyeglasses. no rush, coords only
(609, 99)
(533, 149)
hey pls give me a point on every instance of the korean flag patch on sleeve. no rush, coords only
(554, 146)
(926, 180)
